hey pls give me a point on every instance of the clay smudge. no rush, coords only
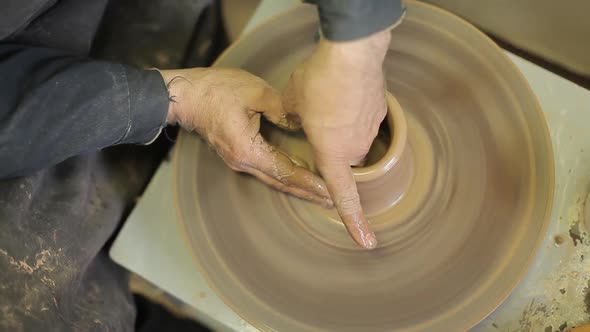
(575, 233)
(540, 309)
(587, 298)
(558, 240)
(23, 265)
(531, 314)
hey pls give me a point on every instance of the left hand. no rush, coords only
(224, 106)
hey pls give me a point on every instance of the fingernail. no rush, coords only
(370, 241)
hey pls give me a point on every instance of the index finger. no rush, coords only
(342, 187)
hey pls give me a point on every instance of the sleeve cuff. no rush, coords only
(345, 20)
(148, 106)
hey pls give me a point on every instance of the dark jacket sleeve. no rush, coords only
(343, 20)
(54, 106)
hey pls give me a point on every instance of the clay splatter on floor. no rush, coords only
(587, 298)
(575, 233)
(531, 314)
(558, 240)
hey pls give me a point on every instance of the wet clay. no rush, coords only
(459, 216)
(383, 182)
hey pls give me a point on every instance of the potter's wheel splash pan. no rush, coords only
(451, 249)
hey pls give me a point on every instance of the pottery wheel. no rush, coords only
(454, 245)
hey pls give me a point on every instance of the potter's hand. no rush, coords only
(224, 106)
(339, 95)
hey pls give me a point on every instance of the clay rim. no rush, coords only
(399, 134)
(466, 324)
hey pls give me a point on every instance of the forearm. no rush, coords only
(54, 106)
(356, 33)
(365, 54)
(345, 20)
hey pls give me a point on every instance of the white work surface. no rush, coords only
(550, 298)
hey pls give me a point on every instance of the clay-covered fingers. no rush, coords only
(270, 104)
(342, 187)
(278, 170)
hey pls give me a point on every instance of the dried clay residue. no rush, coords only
(558, 240)
(26, 266)
(575, 233)
(532, 315)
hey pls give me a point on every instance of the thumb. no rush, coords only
(270, 104)
(277, 170)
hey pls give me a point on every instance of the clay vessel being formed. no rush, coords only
(383, 182)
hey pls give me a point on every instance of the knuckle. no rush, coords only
(234, 159)
(238, 153)
(238, 158)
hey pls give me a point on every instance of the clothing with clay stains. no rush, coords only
(55, 220)
(61, 198)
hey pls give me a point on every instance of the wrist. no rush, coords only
(365, 55)
(175, 84)
(377, 42)
(172, 118)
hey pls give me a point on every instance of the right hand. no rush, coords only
(339, 96)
